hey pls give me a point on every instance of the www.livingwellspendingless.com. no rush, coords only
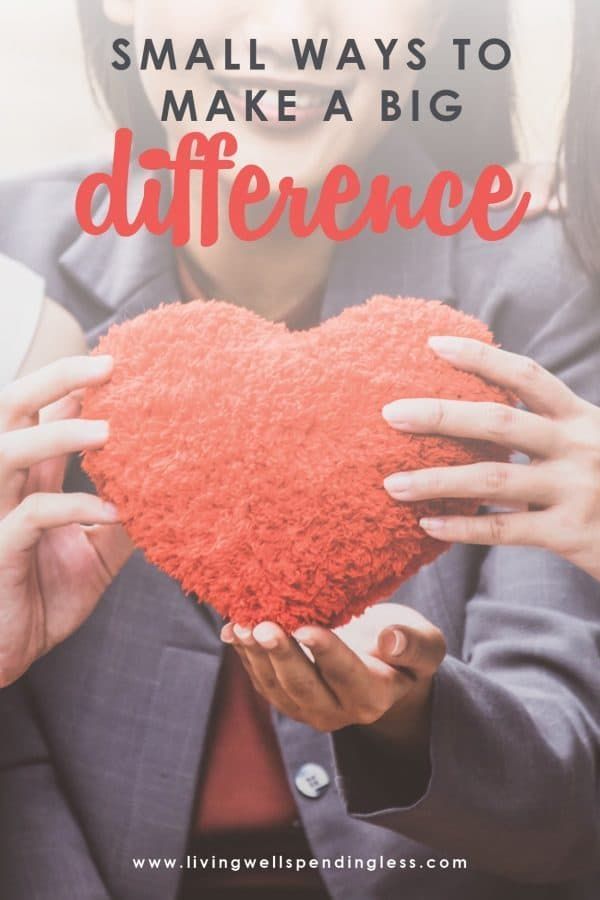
(297, 864)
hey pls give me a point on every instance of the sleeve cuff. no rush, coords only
(376, 786)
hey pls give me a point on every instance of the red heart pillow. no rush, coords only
(247, 461)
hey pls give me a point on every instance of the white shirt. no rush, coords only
(21, 300)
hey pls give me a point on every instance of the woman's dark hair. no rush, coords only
(482, 134)
(582, 137)
(121, 93)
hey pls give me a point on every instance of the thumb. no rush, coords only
(113, 546)
(419, 649)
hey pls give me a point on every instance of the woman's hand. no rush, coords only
(52, 570)
(375, 672)
(557, 495)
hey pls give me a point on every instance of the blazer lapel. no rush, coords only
(123, 276)
(161, 801)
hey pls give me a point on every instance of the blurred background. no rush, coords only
(49, 116)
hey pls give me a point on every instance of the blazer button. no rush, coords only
(311, 780)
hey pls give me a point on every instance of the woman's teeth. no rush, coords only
(298, 97)
(307, 98)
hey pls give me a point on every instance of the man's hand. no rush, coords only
(375, 672)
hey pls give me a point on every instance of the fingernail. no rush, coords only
(267, 635)
(97, 430)
(397, 414)
(242, 633)
(305, 637)
(102, 363)
(431, 524)
(446, 346)
(226, 635)
(393, 643)
(399, 483)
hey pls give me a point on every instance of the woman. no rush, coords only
(147, 736)
(41, 330)
(558, 496)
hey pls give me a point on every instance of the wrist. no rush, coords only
(406, 727)
(399, 744)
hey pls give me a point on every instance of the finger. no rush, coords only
(68, 407)
(256, 657)
(261, 670)
(48, 446)
(362, 633)
(22, 528)
(26, 447)
(238, 649)
(227, 635)
(16, 447)
(25, 397)
(339, 665)
(365, 687)
(50, 474)
(298, 677)
(503, 483)
(421, 650)
(516, 529)
(541, 391)
(496, 422)
(113, 547)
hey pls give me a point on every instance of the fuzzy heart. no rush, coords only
(247, 461)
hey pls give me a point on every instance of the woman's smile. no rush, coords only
(278, 98)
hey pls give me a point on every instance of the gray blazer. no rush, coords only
(102, 741)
